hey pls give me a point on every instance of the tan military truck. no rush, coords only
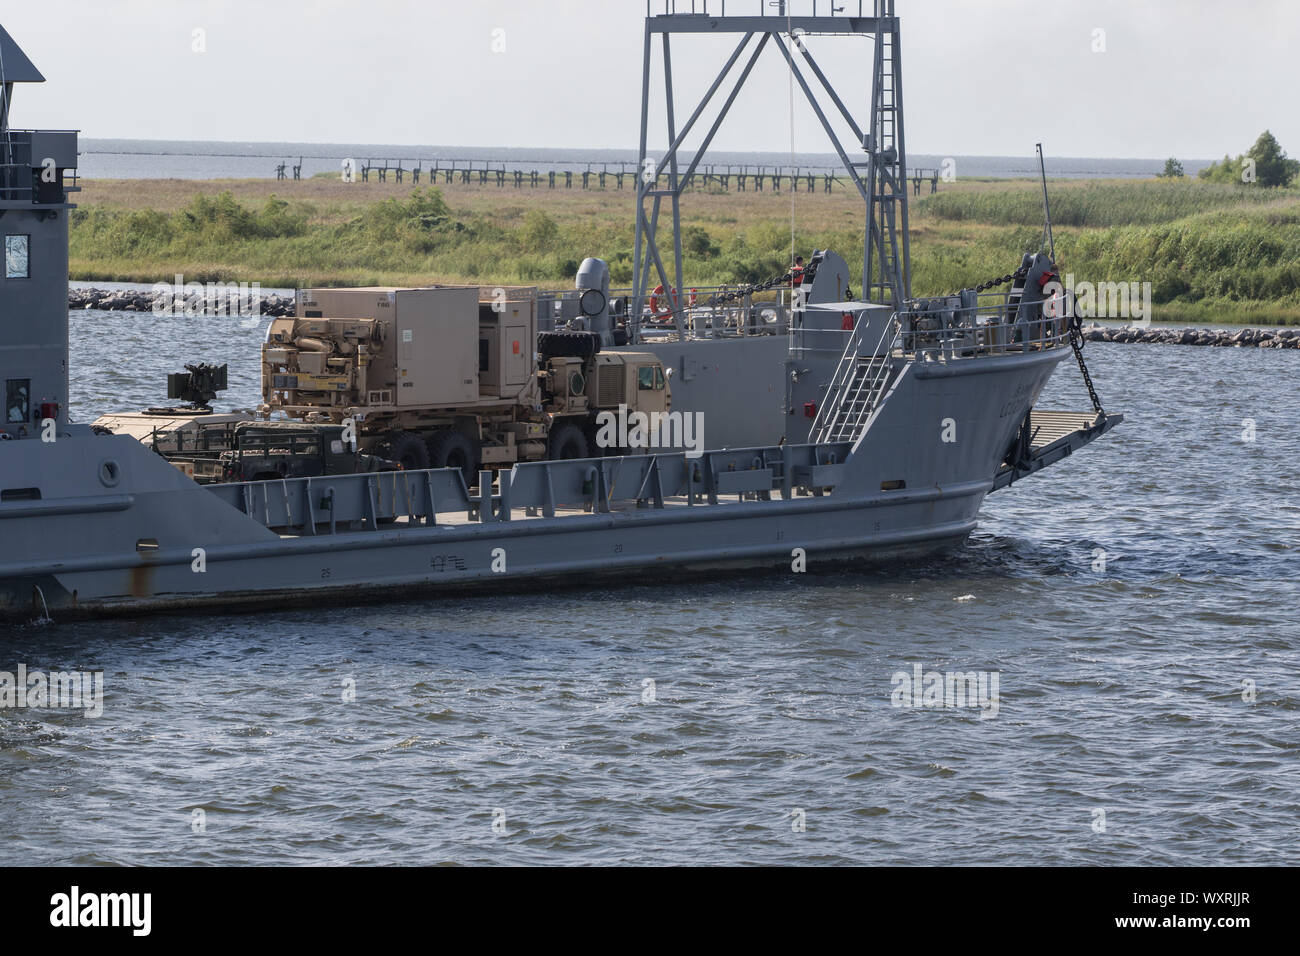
(449, 376)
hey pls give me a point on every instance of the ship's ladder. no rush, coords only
(888, 176)
(859, 385)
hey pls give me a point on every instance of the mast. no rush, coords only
(879, 179)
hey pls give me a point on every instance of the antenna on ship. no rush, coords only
(880, 178)
(1047, 208)
(790, 100)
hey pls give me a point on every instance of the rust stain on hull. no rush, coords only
(141, 582)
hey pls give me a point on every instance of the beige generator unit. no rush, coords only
(378, 349)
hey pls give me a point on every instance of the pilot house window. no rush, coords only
(18, 400)
(16, 265)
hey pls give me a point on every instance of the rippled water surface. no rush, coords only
(1121, 688)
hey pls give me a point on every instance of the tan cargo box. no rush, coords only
(428, 355)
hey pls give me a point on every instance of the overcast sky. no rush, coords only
(1190, 78)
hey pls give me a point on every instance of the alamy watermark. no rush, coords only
(192, 299)
(56, 690)
(1102, 300)
(922, 688)
(131, 911)
(624, 429)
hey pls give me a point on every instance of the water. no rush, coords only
(1120, 690)
(187, 159)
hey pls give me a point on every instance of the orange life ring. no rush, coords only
(654, 302)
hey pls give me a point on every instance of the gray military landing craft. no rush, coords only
(834, 427)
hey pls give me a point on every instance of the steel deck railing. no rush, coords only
(991, 323)
(541, 489)
(762, 8)
(20, 171)
(956, 328)
(761, 313)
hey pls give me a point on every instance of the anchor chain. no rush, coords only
(1073, 326)
(720, 297)
(1076, 343)
(991, 283)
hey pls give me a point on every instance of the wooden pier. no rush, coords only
(558, 174)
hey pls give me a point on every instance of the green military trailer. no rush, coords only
(269, 450)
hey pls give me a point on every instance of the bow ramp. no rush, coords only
(1048, 436)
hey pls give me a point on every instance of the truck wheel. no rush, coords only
(407, 450)
(581, 345)
(454, 449)
(567, 442)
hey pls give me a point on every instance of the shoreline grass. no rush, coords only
(1212, 252)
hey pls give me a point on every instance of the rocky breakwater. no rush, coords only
(1224, 338)
(134, 300)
